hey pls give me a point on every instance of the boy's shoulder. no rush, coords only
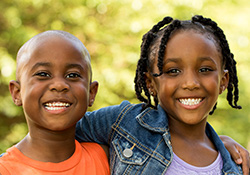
(90, 154)
(7, 160)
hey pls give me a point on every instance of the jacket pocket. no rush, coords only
(129, 152)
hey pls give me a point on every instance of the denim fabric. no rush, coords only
(146, 133)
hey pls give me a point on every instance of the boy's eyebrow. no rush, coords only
(72, 65)
(45, 64)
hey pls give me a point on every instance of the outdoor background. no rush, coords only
(112, 31)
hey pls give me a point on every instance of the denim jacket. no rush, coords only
(139, 140)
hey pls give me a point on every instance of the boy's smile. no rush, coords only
(56, 107)
(192, 77)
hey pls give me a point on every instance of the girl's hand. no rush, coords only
(238, 153)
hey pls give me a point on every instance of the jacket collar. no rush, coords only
(157, 121)
(229, 167)
(154, 120)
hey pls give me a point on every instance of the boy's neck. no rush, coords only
(48, 146)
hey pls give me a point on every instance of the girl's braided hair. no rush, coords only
(154, 44)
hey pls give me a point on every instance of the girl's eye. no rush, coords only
(205, 69)
(173, 72)
(73, 75)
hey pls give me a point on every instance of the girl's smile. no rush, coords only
(190, 103)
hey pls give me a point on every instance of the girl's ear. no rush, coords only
(224, 81)
(92, 92)
(150, 84)
(14, 88)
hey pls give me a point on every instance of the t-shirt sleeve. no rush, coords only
(98, 156)
(3, 170)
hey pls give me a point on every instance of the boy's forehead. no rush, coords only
(48, 38)
(39, 41)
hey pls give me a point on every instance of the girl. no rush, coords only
(183, 67)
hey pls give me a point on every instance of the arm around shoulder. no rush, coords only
(239, 154)
(96, 126)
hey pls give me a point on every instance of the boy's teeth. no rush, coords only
(56, 105)
(190, 101)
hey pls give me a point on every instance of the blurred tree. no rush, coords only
(112, 32)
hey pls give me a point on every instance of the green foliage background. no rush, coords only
(112, 32)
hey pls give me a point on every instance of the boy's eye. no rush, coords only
(42, 74)
(73, 75)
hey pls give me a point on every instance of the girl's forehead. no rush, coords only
(194, 35)
(189, 38)
(191, 46)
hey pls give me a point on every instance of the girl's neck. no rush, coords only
(187, 132)
(48, 146)
(191, 144)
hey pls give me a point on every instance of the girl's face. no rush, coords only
(192, 77)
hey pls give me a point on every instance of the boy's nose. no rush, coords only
(190, 81)
(59, 84)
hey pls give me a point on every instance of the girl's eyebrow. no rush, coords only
(175, 60)
(178, 60)
(207, 59)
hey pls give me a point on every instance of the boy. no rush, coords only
(54, 88)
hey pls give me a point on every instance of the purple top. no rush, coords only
(178, 166)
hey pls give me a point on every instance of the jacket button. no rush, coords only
(127, 153)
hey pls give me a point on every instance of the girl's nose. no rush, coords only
(59, 85)
(190, 81)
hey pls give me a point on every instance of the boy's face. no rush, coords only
(54, 87)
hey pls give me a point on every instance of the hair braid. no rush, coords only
(228, 60)
(143, 63)
(171, 27)
(215, 106)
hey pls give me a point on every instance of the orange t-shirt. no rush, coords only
(88, 159)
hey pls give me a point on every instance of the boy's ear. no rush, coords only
(14, 88)
(224, 81)
(92, 92)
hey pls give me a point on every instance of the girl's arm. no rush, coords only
(96, 126)
(238, 153)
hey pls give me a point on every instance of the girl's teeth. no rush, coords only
(190, 101)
